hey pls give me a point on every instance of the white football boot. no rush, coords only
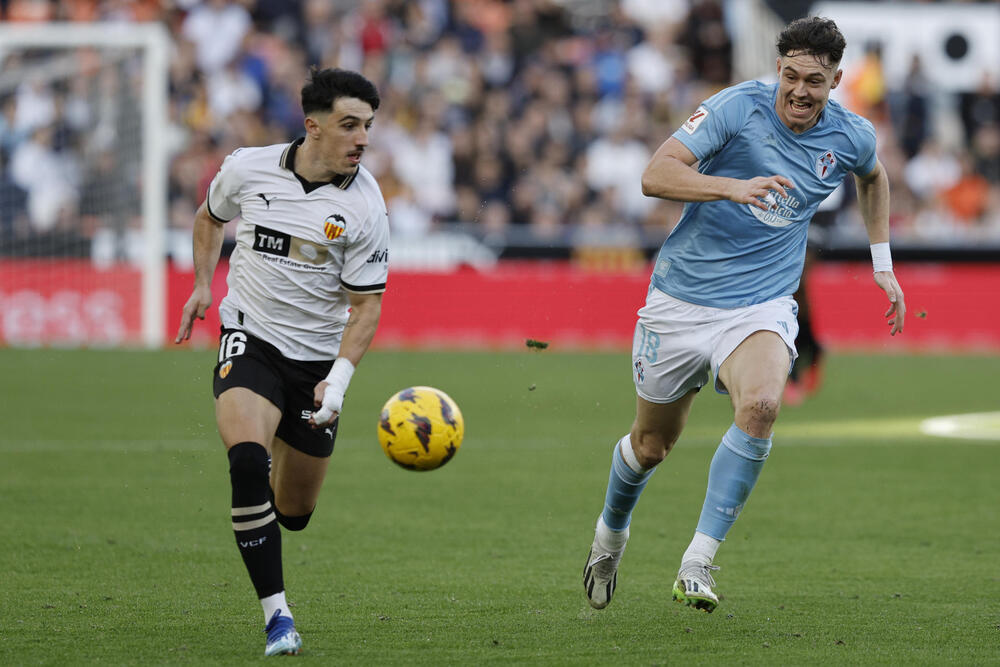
(693, 586)
(600, 575)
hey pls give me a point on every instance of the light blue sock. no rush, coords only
(624, 487)
(731, 477)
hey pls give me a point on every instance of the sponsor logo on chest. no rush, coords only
(275, 244)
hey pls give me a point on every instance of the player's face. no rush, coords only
(343, 134)
(804, 85)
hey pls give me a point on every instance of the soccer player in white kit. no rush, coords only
(720, 300)
(305, 291)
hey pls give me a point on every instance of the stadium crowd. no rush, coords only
(516, 116)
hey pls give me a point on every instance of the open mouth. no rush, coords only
(354, 157)
(799, 109)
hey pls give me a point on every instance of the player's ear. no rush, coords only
(312, 126)
(836, 78)
(777, 63)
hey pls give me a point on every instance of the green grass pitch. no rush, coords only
(865, 542)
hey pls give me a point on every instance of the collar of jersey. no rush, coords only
(342, 181)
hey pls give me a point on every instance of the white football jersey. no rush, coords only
(300, 247)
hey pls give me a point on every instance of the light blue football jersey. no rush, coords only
(727, 255)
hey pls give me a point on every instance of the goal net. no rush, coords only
(83, 184)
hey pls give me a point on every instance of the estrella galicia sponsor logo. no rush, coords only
(334, 226)
(378, 256)
(271, 241)
(781, 211)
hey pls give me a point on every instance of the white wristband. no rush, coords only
(340, 374)
(881, 257)
(333, 396)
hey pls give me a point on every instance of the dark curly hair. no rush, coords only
(815, 36)
(326, 85)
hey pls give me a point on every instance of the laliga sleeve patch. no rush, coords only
(692, 123)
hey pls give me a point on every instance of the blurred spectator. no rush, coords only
(710, 48)
(13, 206)
(866, 87)
(49, 178)
(217, 28)
(616, 163)
(967, 198)
(980, 107)
(422, 160)
(913, 115)
(932, 171)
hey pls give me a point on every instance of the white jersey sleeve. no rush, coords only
(366, 260)
(224, 191)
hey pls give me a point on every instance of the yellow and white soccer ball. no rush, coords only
(420, 428)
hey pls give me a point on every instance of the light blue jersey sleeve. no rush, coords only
(717, 120)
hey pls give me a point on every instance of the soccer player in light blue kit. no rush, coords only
(720, 296)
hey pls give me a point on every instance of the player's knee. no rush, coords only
(248, 471)
(760, 410)
(651, 447)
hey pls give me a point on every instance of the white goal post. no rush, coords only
(151, 42)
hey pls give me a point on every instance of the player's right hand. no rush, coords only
(756, 190)
(197, 304)
(330, 401)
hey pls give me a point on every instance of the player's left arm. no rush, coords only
(873, 200)
(328, 396)
(366, 309)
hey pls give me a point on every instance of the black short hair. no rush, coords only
(813, 35)
(326, 85)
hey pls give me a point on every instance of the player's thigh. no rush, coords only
(296, 478)
(244, 416)
(754, 348)
(757, 369)
(247, 388)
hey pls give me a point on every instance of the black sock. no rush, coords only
(254, 523)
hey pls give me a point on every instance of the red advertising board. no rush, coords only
(68, 302)
(71, 302)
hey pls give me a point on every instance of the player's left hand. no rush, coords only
(897, 307)
(329, 401)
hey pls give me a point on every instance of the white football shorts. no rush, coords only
(679, 346)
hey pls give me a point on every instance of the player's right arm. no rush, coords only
(207, 240)
(670, 174)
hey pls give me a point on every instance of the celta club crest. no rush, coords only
(825, 162)
(334, 226)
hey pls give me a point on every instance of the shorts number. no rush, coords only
(233, 344)
(649, 345)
